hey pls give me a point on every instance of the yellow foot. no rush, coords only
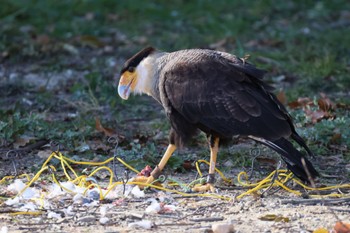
(145, 180)
(204, 188)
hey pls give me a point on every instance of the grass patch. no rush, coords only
(306, 40)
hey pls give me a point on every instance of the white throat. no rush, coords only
(145, 73)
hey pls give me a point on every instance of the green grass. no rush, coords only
(307, 40)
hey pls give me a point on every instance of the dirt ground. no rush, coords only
(275, 212)
(159, 211)
(190, 215)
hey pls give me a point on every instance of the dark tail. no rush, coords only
(292, 157)
(302, 143)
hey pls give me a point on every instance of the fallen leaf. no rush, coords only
(274, 217)
(321, 230)
(43, 39)
(44, 154)
(91, 41)
(336, 138)
(188, 165)
(315, 116)
(342, 227)
(107, 131)
(98, 145)
(343, 106)
(324, 103)
(22, 141)
(281, 96)
(267, 161)
(301, 102)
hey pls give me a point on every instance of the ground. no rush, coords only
(59, 68)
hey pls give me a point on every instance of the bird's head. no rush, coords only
(136, 73)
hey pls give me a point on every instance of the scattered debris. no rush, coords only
(222, 228)
(145, 224)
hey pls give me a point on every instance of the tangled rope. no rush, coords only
(278, 178)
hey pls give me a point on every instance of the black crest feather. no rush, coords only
(137, 58)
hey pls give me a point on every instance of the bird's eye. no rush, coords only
(131, 69)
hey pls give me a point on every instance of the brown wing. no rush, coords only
(225, 96)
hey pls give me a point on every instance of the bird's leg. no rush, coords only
(157, 170)
(214, 148)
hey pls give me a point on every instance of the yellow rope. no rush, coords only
(282, 174)
(27, 213)
(216, 169)
(83, 181)
(12, 177)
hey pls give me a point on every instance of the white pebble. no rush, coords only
(137, 192)
(153, 208)
(54, 215)
(4, 229)
(89, 218)
(222, 228)
(145, 224)
(104, 220)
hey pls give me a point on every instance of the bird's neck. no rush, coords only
(148, 75)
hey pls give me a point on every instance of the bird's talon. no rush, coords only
(204, 188)
(146, 180)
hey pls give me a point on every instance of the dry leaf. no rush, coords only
(267, 161)
(22, 141)
(336, 138)
(301, 102)
(98, 145)
(44, 154)
(321, 230)
(188, 165)
(107, 131)
(324, 103)
(315, 116)
(342, 227)
(43, 39)
(91, 41)
(281, 96)
(274, 217)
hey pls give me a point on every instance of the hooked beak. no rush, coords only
(124, 91)
(126, 85)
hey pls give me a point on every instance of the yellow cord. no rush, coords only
(12, 177)
(287, 176)
(223, 177)
(27, 213)
(82, 181)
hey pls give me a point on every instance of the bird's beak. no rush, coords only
(126, 84)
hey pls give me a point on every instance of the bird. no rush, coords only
(220, 94)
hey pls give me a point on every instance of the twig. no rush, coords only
(213, 219)
(33, 146)
(173, 224)
(187, 215)
(232, 187)
(317, 201)
(340, 210)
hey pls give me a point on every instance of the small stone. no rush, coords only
(145, 224)
(104, 220)
(137, 215)
(88, 218)
(222, 228)
(61, 220)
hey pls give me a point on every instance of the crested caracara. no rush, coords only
(219, 94)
